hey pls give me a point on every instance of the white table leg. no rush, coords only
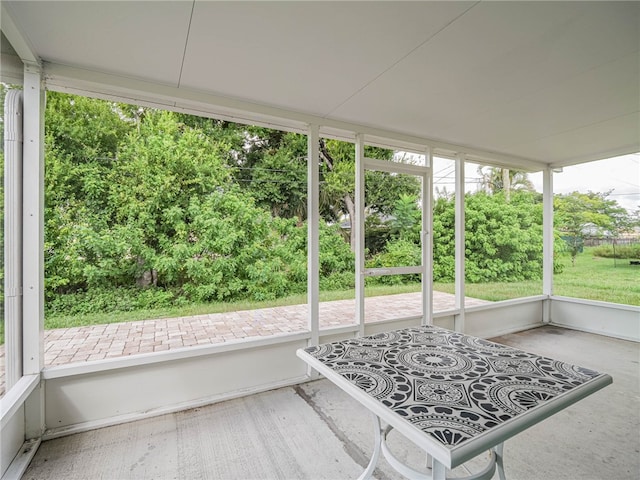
(499, 453)
(438, 471)
(376, 450)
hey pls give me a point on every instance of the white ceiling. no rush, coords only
(548, 82)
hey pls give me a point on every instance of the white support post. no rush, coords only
(459, 244)
(313, 233)
(13, 236)
(547, 241)
(33, 243)
(358, 224)
(427, 240)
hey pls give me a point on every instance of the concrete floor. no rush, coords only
(316, 431)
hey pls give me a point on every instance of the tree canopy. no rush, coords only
(590, 214)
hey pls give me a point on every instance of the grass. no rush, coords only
(592, 278)
(599, 278)
(495, 291)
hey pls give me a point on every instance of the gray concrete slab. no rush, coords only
(314, 431)
(272, 435)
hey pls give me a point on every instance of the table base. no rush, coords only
(436, 470)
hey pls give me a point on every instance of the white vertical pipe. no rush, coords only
(547, 240)
(427, 241)
(33, 243)
(459, 243)
(358, 224)
(13, 236)
(313, 233)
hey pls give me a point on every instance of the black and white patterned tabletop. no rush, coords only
(453, 387)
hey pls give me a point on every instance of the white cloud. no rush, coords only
(620, 175)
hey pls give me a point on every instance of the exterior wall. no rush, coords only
(610, 319)
(385, 326)
(446, 320)
(79, 399)
(509, 316)
(11, 439)
(16, 453)
(86, 396)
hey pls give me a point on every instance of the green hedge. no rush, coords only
(620, 251)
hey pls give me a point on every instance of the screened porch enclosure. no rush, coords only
(312, 430)
(527, 86)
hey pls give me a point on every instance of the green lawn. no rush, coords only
(599, 278)
(591, 278)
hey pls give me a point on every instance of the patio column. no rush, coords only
(427, 240)
(358, 224)
(547, 241)
(313, 235)
(459, 244)
(33, 243)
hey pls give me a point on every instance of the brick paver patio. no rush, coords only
(97, 342)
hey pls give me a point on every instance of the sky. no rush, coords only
(620, 175)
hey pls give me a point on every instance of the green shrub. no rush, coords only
(397, 253)
(119, 299)
(620, 251)
(338, 281)
(335, 254)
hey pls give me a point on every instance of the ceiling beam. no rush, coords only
(17, 40)
(129, 90)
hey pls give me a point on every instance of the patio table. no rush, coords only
(453, 395)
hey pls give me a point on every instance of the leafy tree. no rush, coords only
(503, 241)
(278, 179)
(338, 184)
(582, 214)
(403, 247)
(86, 129)
(153, 211)
(161, 169)
(82, 137)
(495, 180)
(443, 235)
(406, 218)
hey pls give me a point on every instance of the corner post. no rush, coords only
(33, 243)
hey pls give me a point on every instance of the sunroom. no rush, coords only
(527, 86)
